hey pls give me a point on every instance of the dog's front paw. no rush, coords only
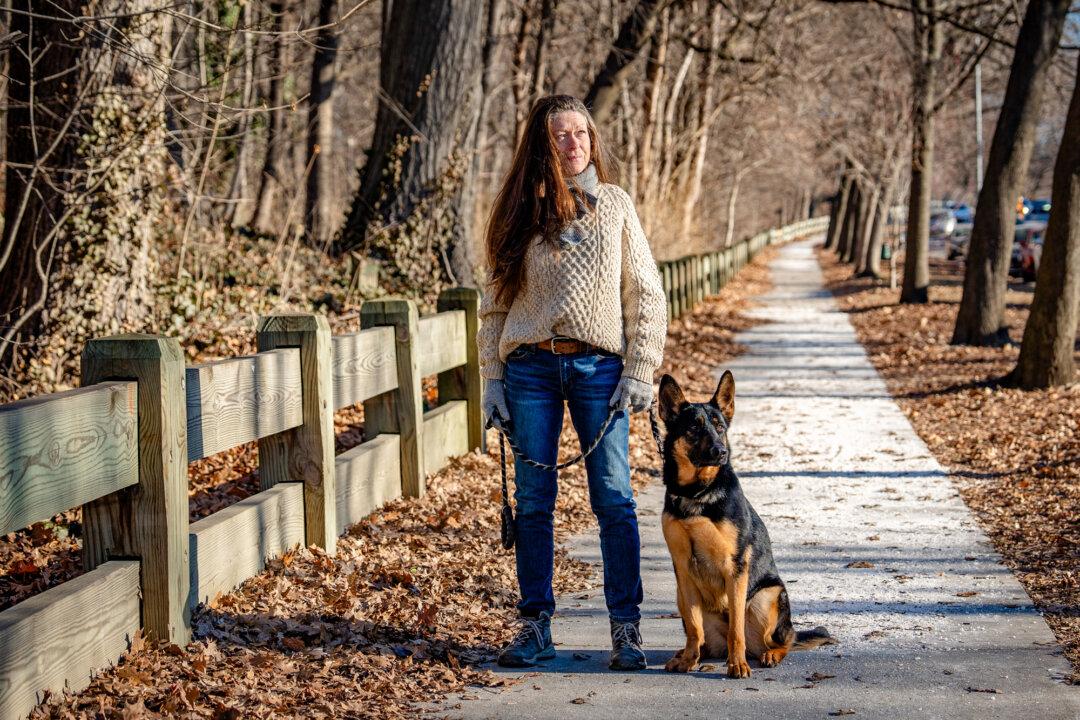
(772, 658)
(681, 662)
(738, 668)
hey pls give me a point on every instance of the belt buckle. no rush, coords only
(556, 339)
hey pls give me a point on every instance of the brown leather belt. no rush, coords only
(563, 345)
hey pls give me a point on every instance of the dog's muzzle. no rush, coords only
(715, 456)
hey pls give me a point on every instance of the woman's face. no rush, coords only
(571, 133)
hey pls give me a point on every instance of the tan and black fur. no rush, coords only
(730, 597)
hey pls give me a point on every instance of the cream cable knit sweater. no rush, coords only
(602, 288)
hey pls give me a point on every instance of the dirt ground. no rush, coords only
(1013, 454)
(417, 595)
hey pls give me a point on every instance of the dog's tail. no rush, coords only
(810, 639)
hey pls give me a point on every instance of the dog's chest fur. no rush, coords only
(709, 549)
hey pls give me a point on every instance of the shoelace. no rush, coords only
(529, 627)
(626, 634)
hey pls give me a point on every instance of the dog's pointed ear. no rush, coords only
(724, 397)
(672, 400)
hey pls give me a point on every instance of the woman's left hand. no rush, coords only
(632, 393)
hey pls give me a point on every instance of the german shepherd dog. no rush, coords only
(730, 596)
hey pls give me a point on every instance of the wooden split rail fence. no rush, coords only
(688, 280)
(120, 445)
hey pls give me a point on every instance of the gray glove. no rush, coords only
(493, 405)
(632, 393)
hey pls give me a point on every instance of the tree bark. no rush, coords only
(980, 319)
(857, 208)
(239, 211)
(318, 211)
(414, 204)
(270, 179)
(521, 96)
(668, 150)
(871, 266)
(543, 39)
(706, 93)
(847, 227)
(864, 228)
(1046, 352)
(86, 178)
(915, 287)
(634, 33)
(651, 105)
(839, 213)
(492, 24)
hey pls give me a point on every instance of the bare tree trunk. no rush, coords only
(98, 116)
(847, 227)
(980, 319)
(521, 43)
(857, 208)
(865, 227)
(270, 179)
(240, 209)
(706, 92)
(543, 38)
(667, 150)
(492, 24)
(5, 72)
(654, 79)
(839, 212)
(635, 32)
(414, 204)
(631, 142)
(729, 232)
(318, 215)
(915, 287)
(1046, 352)
(871, 266)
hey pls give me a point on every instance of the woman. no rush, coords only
(573, 311)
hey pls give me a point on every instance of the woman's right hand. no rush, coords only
(493, 404)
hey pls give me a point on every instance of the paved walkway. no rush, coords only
(934, 627)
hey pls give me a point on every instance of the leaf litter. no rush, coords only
(417, 599)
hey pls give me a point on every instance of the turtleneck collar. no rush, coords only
(587, 180)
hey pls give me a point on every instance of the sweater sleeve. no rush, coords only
(492, 318)
(643, 301)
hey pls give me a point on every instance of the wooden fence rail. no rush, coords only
(689, 279)
(120, 447)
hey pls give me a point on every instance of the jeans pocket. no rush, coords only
(520, 352)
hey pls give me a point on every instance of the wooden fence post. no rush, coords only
(149, 520)
(695, 280)
(463, 382)
(399, 411)
(305, 454)
(683, 282)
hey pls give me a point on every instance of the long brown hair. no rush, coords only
(534, 197)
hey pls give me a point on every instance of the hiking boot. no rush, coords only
(531, 644)
(626, 653)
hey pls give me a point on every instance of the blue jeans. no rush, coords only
(537, 382)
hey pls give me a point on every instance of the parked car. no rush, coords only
(942, 224)
(1039, 212)
(964, 214)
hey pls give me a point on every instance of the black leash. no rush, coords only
(507, 533)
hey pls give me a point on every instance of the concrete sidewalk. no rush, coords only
(931, 625)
